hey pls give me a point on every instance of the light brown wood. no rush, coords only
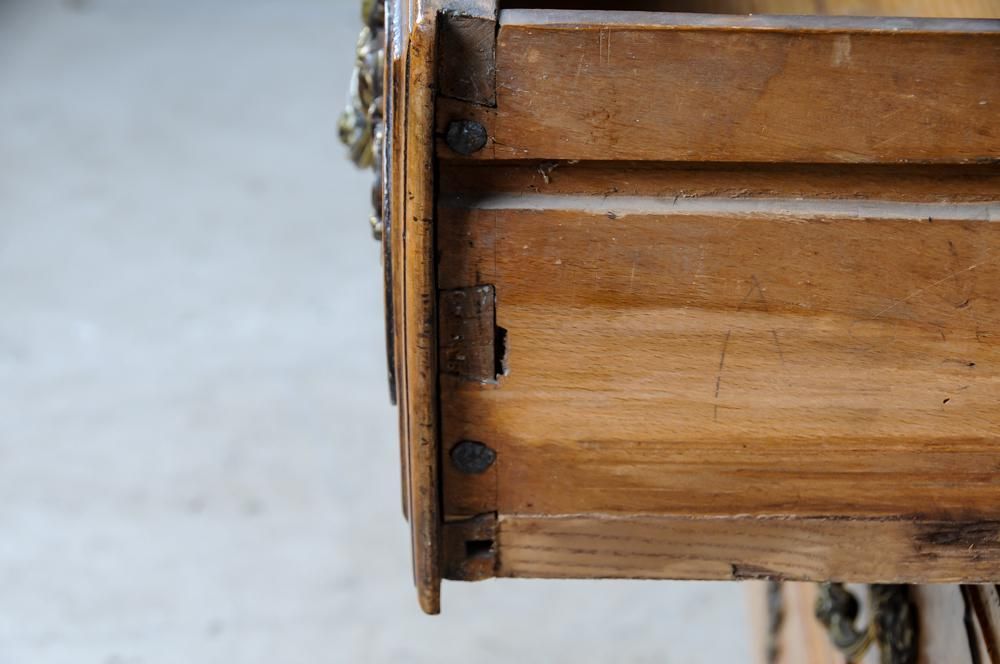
(671, 87)
(741, 548)
(419, 316)
(702, 363)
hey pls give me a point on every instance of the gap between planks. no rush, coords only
(631, 20)
(620, 206)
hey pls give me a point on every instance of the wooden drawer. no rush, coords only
(696, 296)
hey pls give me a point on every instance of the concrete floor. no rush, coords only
(197, 456)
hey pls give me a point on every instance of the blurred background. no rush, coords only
(198, 460)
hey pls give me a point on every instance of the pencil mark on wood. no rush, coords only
(777, 344)
(718, 377)
(755, 286)
(579, 69)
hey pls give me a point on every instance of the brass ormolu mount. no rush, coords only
(362, 124)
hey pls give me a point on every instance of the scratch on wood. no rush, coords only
(777, 343)
(745, 572)
(604, 46)
(718, 378)
(755, 286)
(921, 291)
(579, 69)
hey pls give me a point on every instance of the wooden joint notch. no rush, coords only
(467, 68)
(470, 344)
(470, 548)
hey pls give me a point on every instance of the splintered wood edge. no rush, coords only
(420, 325)
(855, 550)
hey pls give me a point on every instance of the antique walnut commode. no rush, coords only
(677, 295)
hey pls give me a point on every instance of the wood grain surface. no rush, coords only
(925, 8)
(419, 327)
(743, 548)
(676, 87)
(691, 363)
(813, 361)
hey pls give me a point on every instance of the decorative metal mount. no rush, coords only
(362, 124)
(362, 128)
(893, 624)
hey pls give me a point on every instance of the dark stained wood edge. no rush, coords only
(467, 67)
(887, 182)
(396, 50)
(906, 550)
(584, 20)
(393, 206)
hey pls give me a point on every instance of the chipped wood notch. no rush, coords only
(471, 345)
(470, 548)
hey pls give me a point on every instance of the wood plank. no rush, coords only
(420, 316)
(711, 364)
(677, 87)
(739, 548)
